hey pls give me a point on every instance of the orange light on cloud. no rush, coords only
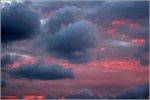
(116, 22)
(29, 97)
(129, 64)
(111, 30)
(138, 41)
(18, 63)
(129, 23)
(102, 49)
(133, 25)
(124, 35)
(62, 62)
(9, 97)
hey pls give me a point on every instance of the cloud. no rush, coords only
(5, 60)
(18, 21)
(71, 43)
(136, 92)
(139, 53)
(42, 72)
(68, 35)
(49, 6)
(82, 94)
(18, 86)
(144, 49)
(60, 18)
(11, 58)
(107, 11)
(86, 94)
(127, 9)
(3, 83)
(50, 97)
(144, 61)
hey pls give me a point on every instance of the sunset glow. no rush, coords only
(74, 49)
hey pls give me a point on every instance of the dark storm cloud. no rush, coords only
(71, 43)
(137, 92)
(3, 83)
(42, 72)
(18, 21)
(60, 18)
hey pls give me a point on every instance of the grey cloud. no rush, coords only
(50, 97)
(3, 83)
(137, 92)
(18, 86)
(9, 59)
(18, 21)
(42, 72)
(140, 50)
(122, 9)
(67, 36)
(49, 6)
(136, 11)
(71, 43)
(82, 94)
(6, 60)
(60, 18)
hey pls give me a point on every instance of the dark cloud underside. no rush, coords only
(18, 21)
(136, 92)
(42, 72)
(67, 36)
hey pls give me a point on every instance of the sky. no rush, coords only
(75, 49)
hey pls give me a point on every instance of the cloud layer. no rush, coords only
(42, 72)
(101, 41)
